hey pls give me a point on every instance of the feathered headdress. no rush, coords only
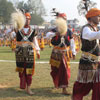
(60, 21)
(61, 25)
(18, 19)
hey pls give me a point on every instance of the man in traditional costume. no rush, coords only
(42, 44)
(89, 66)
(60, 67)
(26, 45)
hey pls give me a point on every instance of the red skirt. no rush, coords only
(61, 74)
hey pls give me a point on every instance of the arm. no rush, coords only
(49, 35)
(12, 35)
(36, 47)
(88, 34)
(72, 43)
(72, 47)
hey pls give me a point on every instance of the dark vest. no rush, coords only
(90, 46)
(56, 40)
(25, 54)
(19, 37)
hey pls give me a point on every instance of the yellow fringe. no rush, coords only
(19, 69)
(55, 63)
(28, 70)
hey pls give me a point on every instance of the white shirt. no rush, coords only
(50, 35)
(72, 46)
(13, 35)
(90, 35)
(36, 44)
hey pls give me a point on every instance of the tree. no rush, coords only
(36, 20)
(37, 7)
(6, 8)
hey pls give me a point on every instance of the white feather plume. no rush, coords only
(18, 20)
(61, 25)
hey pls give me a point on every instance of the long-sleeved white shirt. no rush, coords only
(36, 44)
(50, 35)
(90, 35)
(72, 46)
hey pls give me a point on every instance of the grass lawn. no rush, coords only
(42, 83)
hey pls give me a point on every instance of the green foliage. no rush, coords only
(20, 5)
(36, 19)
(35, 7)
(6, 8)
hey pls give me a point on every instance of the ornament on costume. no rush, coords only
(62, 15)
(58, 14)
(55, 12)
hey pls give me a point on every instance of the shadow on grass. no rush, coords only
(40, 92)
(48, 92)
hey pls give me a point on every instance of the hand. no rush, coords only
(38, 55)
(73, 57)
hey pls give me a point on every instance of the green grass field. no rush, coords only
(42, 83)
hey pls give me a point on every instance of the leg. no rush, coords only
(65, 92)
(22, 80)
(29, 91)
(54, 75)
(80, 90)
(29, 81)
(96, 91)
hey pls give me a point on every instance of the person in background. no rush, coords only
(42, 45)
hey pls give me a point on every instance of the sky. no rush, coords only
(66, 6)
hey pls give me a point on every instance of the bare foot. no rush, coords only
(30, 92)
(65, 92)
